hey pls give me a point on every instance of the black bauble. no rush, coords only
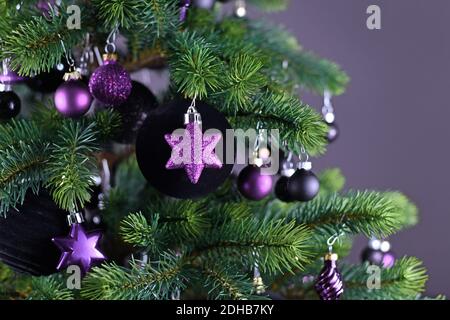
(26, 233)
(47, 82)
(281, 191)
(333, 132)
(134, 112)
(153, 152)
(372, 256)
(9, 105)
(303, 185)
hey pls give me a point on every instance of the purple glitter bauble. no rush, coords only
(110, 84)
(329, 283)
(72, 99)
(253, 185)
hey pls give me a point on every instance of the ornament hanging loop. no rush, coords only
(110, 46)
(69, 59)
(192, 115)
(327, 109)
(304, 159)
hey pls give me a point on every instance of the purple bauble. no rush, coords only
(329, 285)
(10, 77)
(388, 259)
(253, 185)
(72, 99)
(110, 83)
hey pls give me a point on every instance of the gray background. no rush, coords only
(394, 115)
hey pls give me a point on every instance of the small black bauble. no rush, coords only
(303, 185)
(281, 191)
(48, 82)
(333, 132)
(9, 105)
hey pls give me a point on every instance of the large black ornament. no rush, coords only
(134, 112)
(153, 152)
(47, 82)
(26, 233)
(303, 185)
(9, 105)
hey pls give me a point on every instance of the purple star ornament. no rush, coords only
(79, 248)
(193, 151)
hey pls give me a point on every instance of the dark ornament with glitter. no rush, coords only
(329, 283)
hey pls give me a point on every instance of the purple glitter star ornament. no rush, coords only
(110, 84)
(329, 283)
(79, 248)
(191, 149)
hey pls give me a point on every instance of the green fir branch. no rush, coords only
(274, 246)
(71, 165)
(49, 288)
(35, 44)
(227, 284)
(194, 67)
(331, 181)
(405, 280)
(156, 280)
(369, 213)
(23, 157)
(243, 80)
(180, 221)
(270, 5)
(297, 123)
(136, 230)
(122, 13)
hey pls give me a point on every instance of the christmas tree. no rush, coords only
(91, 176)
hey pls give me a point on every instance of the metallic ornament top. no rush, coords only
(79, 248)
(191, 149)
(329, 283)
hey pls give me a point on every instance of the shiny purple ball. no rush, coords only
(253, 185)
(72, 99)
(388, 259)
(110, 84)
(10, 77)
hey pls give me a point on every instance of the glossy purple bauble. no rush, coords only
(72, 99)
(388, 259)
(253, 185)
(10, 77)
(110, 84)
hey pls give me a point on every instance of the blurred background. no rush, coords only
(394, 116)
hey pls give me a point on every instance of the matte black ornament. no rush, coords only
(333, 132)
(26, 235)
(9, 105)
(48, 82)
(153, 152)
(303, 185)
(281, 191)
(133, 112)
(373, 256)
